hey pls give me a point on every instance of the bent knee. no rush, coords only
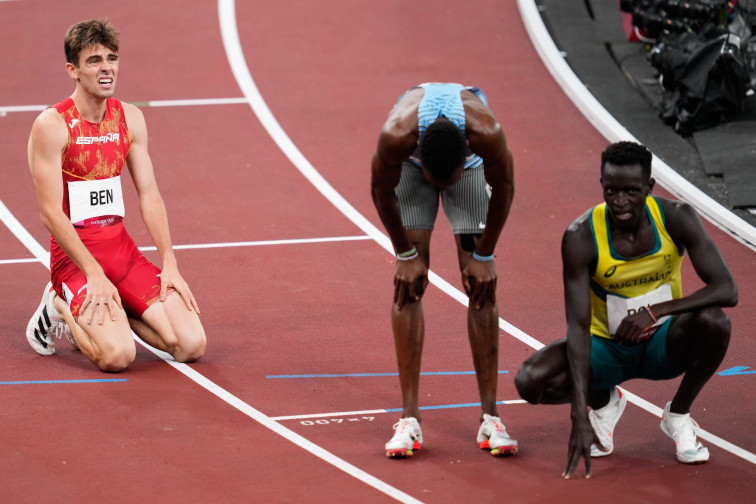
(116, 361)
(191, 354)
(526, 385)
(190, 349)
(713, 324)
(715, 319)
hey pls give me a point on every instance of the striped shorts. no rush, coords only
(465, 202)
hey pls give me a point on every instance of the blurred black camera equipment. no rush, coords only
(702, 65)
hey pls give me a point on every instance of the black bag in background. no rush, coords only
(704, 79)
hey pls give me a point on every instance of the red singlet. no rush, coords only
(98, 151)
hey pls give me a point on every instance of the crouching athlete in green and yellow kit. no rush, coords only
(626, 314)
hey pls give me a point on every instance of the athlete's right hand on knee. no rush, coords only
(102, 296)
(410, 281)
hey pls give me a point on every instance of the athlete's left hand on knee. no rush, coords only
(479, 280)
(173, 279)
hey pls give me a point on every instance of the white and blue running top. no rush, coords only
(444, 100)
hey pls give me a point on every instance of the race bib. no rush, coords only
(95, 198)
(617, 308)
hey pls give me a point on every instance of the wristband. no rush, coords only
(482, 258)
(653, 317)
(409, 255)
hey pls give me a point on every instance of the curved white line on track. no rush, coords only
(20, 232)
(598, 117)
(613, 131)
(44, 257)
(231, 41)
(232, 45)
(265, 116)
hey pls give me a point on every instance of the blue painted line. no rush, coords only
(737, 370)
(352, 375)
(363, 375)
(47, 382)
(446, 406)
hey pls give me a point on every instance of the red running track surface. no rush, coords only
(329, 71)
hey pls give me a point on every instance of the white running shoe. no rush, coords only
(46, 325)
(70, 336)
(683, 430)
(407, 438)
(604, 420)
(493, 436)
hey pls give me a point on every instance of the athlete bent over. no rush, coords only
(441, 141)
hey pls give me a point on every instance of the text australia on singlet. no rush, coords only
(618, 307)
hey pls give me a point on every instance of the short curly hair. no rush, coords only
(443, 148)
(627, 153)
(90, 33)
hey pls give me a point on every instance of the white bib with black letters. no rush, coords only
(618, 308)
(95, 198)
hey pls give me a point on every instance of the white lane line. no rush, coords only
(24, 236)
(43, 256)
(613, 131)
(712, 438)
(246, 83)
(280, 137)
(195, 102)
(232, 45)
(335, 414)
(263, 243)
(392, 410)
(284, 432)
(21, 108)
(265, 116)
(18, 261)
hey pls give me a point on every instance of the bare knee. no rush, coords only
(713, 325)
(526, 385)
(116, 360)
(716, 320)
(110, 346)
(189, 346)
(190, 349)
(544, 378)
